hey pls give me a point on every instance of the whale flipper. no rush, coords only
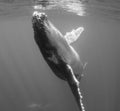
(75, 88)
(73, 35)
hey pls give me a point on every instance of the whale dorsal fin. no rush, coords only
(73, 35)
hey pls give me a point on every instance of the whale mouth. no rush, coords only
(38, 19)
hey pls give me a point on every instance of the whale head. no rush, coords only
(39, 22)
(38, 19)
(44, 29)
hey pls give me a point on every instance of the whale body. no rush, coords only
(58, 53)
(50, 36)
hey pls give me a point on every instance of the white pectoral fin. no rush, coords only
(73, 35)
(72, 77)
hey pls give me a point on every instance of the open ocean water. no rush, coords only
(26, 81)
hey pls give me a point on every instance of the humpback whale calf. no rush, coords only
(61, 57)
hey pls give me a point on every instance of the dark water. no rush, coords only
(27, 83)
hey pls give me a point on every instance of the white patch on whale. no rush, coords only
(53, 58)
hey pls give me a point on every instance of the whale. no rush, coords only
(58, 53)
